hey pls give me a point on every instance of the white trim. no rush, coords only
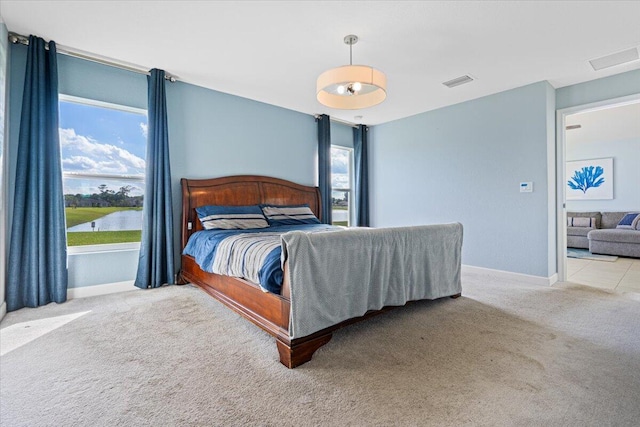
(508, 275)
(107, 288)
(96, 103)
(3, 310)
(561, 149)
(105, 176)
(107, 247)
(561, 207)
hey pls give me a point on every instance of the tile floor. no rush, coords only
(622, 275)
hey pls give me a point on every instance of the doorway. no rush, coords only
(562, 119)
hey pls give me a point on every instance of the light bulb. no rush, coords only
(341, 90)
(357, 86)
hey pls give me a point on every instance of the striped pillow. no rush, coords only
(231, 217)
(289, 215)
(581, 221)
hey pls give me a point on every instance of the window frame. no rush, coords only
(349, 190)
(105, 247)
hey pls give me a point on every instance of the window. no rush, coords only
(341, 197)
(103, 151)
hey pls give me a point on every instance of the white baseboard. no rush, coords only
(3, 309)
(108, 288)
(508, 275)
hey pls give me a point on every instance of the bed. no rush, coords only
(277, 314)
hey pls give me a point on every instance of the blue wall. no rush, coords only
(626, 173)
(611, 87)
(212, 134)
(341, 135)
(464, 163)
(459, 163)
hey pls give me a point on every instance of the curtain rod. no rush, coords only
(343, 122)
(20, 39)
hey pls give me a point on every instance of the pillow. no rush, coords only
(629, 221)
(577, 221)
(289, 215)
(231, 217)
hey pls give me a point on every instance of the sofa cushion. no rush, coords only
(629, 221)
(579, 231)
(596, 215)
(615, 235)
(611, 219)
(581, 221)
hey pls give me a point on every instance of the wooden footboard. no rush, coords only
(268, 311)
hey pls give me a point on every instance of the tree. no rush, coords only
(71, 200)
(124, 191)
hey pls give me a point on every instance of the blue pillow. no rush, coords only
(289, 215)
(630, 221)
(231, 217)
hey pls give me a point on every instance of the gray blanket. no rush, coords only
(338, 276)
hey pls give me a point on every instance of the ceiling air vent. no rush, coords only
(615, 59)
(458, 81)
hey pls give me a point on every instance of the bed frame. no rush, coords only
(267, 310)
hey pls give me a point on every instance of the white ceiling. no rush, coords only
(609, 124)
(273, 51)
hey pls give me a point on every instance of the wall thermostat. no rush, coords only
(526, 187)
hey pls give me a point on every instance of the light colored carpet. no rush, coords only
(505, 353)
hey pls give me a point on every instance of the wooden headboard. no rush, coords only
(240, 190)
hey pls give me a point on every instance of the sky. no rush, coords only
(339, 170)
(99, 140)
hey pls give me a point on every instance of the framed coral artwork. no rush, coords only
(590, 179)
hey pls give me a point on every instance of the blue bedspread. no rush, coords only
(251, 254)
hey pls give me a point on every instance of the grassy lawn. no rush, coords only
(343, 223)
(77, 216)
(82, 238)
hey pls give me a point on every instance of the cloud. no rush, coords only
(85, 154)
(339, 161)
(339, 180)
(144, 128)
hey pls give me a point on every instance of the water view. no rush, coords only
(117, 221)
(339, 215)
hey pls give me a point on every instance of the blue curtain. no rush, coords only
(361, 176)
(324, 166)
(37, 268)
(155, 266)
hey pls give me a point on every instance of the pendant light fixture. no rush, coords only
(351, 87)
